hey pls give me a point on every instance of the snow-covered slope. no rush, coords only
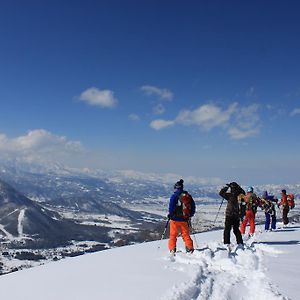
(268, 268)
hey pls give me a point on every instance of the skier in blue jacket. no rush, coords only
(178, 220)
(268, 205)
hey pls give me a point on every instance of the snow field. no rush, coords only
(265, 269)
(219, 274)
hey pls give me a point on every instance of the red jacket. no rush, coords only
(284, 201)
(251, 201)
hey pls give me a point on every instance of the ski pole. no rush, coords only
(163, 234)
(218, 213)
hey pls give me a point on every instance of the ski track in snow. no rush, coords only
(20, 222)
(219, 274)
(20, 225)
(8, 235)
(12, 212)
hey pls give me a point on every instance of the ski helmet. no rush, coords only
(250, 189)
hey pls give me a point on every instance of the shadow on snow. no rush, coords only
(294, 242)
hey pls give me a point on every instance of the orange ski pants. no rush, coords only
(183, 227)
(250, 217)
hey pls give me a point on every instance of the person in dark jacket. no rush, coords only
(178, 222)
(232, 214)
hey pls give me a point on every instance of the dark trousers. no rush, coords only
(285, 218)
(268, 221)
(232, 222)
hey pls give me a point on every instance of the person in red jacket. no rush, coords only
(285, 207)
(251, 202)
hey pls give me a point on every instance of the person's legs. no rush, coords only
(267, 222)
(237, 232)
(252, 222)
(227, 229)
(285, 216)
(244, 223)
(184, 228)
(173, 235)
(273, 225)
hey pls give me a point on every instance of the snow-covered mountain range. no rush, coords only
(50, 206)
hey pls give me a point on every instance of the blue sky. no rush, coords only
(201, 88)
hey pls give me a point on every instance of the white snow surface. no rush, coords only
(268, 268)
(8, 235)
(20, 222)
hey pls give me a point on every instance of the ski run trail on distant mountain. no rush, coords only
(20, 222)
(222, 274)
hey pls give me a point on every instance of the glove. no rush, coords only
(169, 216)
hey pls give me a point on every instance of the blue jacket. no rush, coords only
(173, 203)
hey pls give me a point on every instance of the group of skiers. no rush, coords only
(240, 210)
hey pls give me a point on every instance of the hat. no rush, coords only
(233, 184)
(250, 189)
(265, 195)
(179, 184)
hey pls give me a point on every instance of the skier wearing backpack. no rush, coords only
(251, 202)
(268, 205)
(232, 213)
(181, 209)
(287, 203)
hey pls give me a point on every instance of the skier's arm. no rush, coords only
(263, 204)
(172, 204)
(282, 201)
(223, 193)
(258, 201)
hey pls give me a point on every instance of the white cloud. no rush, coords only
(295, 111)
(239, 122)
(238, 134)
(134, 117)
(248, 116)
(96, 97)
(160, 124)
(38, 144)
(246, 124)
(206, 116)
(162, 93)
